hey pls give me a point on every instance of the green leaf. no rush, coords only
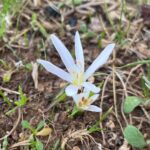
(83, 28)
(28, 66)
(130, 103)
(144, 88)
(23, 98)
(37, 25)
(142, 62)
(5, 144)
(10, 7)
(77, 2)
(40, 125)
(95, 127)
(134, 137)
(11, 111)
(6, 99)
(147, 82)
(75, 112)
(56, 145)
(61, 96)
(25, 124)
(119, 36)
(39, 145)
(7, 76)
(90, 35)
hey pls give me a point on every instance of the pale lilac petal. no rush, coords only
(63, 52)
(55, 70)
(71, 90)
(94, 98)
(93, 108)
(91, 87)
(86, 93)
(77, 98)
(99, 61)
(79, 51)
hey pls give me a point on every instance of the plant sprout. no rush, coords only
(76, 75)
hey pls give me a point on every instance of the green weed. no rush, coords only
(8, 10)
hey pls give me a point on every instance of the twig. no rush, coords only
(114, 91)
(9, 91)
(135, 36)
(126, 94)
(130, 73)
(84, 8)
(141, 118)
(101, 105)
(146, 113)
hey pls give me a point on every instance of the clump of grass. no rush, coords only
(22, 100)
(8, 10)
(119, 30)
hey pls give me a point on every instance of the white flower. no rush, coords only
(76, 75)
(84, 101)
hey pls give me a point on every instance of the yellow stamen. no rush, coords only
(77, 78)
(84, 102)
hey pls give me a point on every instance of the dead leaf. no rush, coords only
(143, 49)
(37, 3)
(35, 74)
(62, 84)
(44, 132)
(91, 79)
(110, 124)
(22, 143)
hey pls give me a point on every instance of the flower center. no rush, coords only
(84, 102)
(77, 78)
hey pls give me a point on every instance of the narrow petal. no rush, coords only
(91, 87)
(71, 90)
(79, 51)
(75, 98)
(99, 61)
(93, 108)
(63, 52)
(94, 98)
(55, 70)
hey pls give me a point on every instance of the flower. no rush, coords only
(84, 100)
(76, 75)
